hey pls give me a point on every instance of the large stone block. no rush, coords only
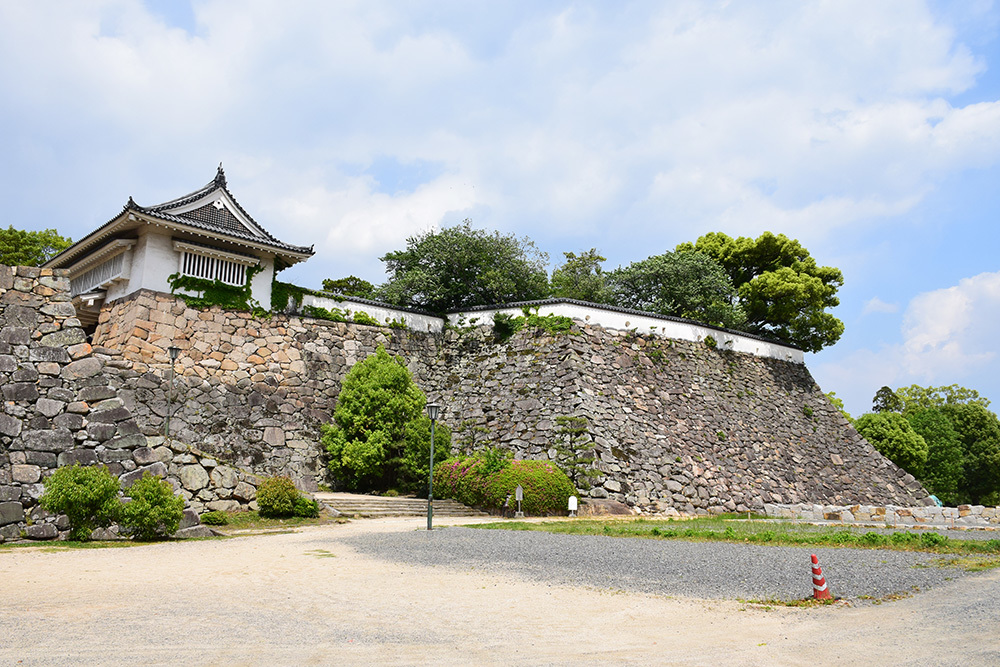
(20, 391)
(10, 426)
(11, 512)
(15, 335)
(82, 368)
(83, 457)
(126, 441)
(58, 440)
(100, 431)
(49, 407)
(42, 531)
(96, 393)
(50, 354)
(224, 476)
(64, 338)
(110, 416)
(156, 470)
(26, 474)
(194, 477)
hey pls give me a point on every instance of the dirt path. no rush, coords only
(306, 598)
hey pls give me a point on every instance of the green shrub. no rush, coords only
(154, 511)
(546, 487)
(306, 507)
(215, 518)
(365, 318)
(88, 496)
(276, 497)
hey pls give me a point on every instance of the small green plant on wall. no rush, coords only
(215, 292)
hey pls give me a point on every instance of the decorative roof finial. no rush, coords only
(220, 177)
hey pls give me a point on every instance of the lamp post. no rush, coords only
(432, 412)
(173, 351)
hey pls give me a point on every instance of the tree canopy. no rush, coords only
(916, 397)
(961, 434)
(682, 284)
(349, 286)
(461, 267)
(892, 435)
(581, 277)
(30, 248)
(782, 291)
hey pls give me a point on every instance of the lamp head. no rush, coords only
(432, 411)
(173, 351)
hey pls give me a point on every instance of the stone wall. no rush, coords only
(62, 406)
(675, 423)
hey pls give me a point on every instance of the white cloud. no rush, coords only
(948, 336)
(953, 330)
(877, 305)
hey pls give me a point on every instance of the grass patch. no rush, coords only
(770, 603)
(768, 532)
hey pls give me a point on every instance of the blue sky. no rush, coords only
(870, 131)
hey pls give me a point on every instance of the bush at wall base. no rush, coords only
(487, 479)
(87, 495)
(278, 498)
(153, 512)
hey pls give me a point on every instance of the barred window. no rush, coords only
(213, 268)
(99, 276)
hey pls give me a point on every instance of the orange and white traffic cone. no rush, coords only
(820, 591)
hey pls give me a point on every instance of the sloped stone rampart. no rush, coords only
(675, 423)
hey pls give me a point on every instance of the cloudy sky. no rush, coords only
(868, 130)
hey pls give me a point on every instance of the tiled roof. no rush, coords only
(216, 219)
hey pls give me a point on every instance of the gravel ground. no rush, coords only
(386, 592)
(709, 570)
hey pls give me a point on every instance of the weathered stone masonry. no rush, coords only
(676, 424)
(62, 406)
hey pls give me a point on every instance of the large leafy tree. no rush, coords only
(892, 435)
(944, 471)
(979, 431)
(782, 290)
(461, 267)
(916, 397)
(30, 248)
(682, 284)
(581, 277)
(380, 436)
(349, 286)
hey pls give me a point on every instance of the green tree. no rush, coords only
(892, 435)
(380, 433)
(916, 397)
(350, 286)
(682, 284)
(581, 277)
(88, 496)
(886, 400)
(944, 471)
(27, 248)
(979, 431)
(782, 291)
(461, 267)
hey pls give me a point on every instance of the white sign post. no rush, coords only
(519, 496)
(572, 505)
